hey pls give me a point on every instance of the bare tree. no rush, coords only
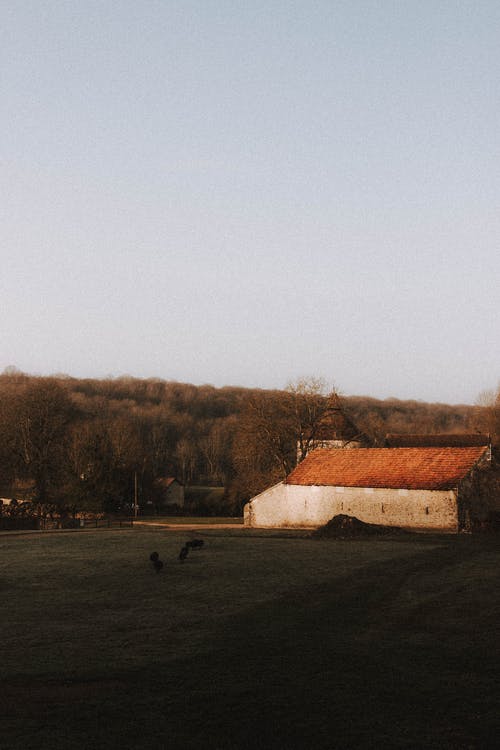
(308, 399)
(272, 425)
(186, 459)
(43, 413)
(488, 403)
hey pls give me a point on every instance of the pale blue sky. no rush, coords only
(246, 192)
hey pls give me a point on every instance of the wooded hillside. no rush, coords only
(79, 443)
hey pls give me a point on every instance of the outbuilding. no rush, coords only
(335, 429)
(439, 440)
(421, 488)
(171, 493)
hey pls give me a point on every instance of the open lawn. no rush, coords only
(258, 640)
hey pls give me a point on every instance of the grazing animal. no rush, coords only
(158, 565)
(183, 553)
(154, 556)
(195, 543)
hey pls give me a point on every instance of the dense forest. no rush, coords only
(69, 444)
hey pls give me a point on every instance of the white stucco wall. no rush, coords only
(289, 505)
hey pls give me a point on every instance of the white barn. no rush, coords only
(415, 488)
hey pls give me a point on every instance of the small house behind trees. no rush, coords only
(440, 440)
(171, 492)
(334, 429)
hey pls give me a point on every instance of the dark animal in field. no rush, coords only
(183, 553)
(158, 565)
(195, 543)
(154, 556)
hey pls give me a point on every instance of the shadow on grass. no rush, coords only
(402, 654)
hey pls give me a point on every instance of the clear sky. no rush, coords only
(241, 193)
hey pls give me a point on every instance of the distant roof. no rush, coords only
(167, 481)
(394, 468)
(335, 424)
(453, 440)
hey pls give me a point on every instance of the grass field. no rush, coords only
(261, 640)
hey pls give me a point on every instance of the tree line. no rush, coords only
(70, 445)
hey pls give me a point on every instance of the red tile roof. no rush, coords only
(394, 468)
(450, 440)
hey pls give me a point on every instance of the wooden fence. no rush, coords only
(35, 524)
